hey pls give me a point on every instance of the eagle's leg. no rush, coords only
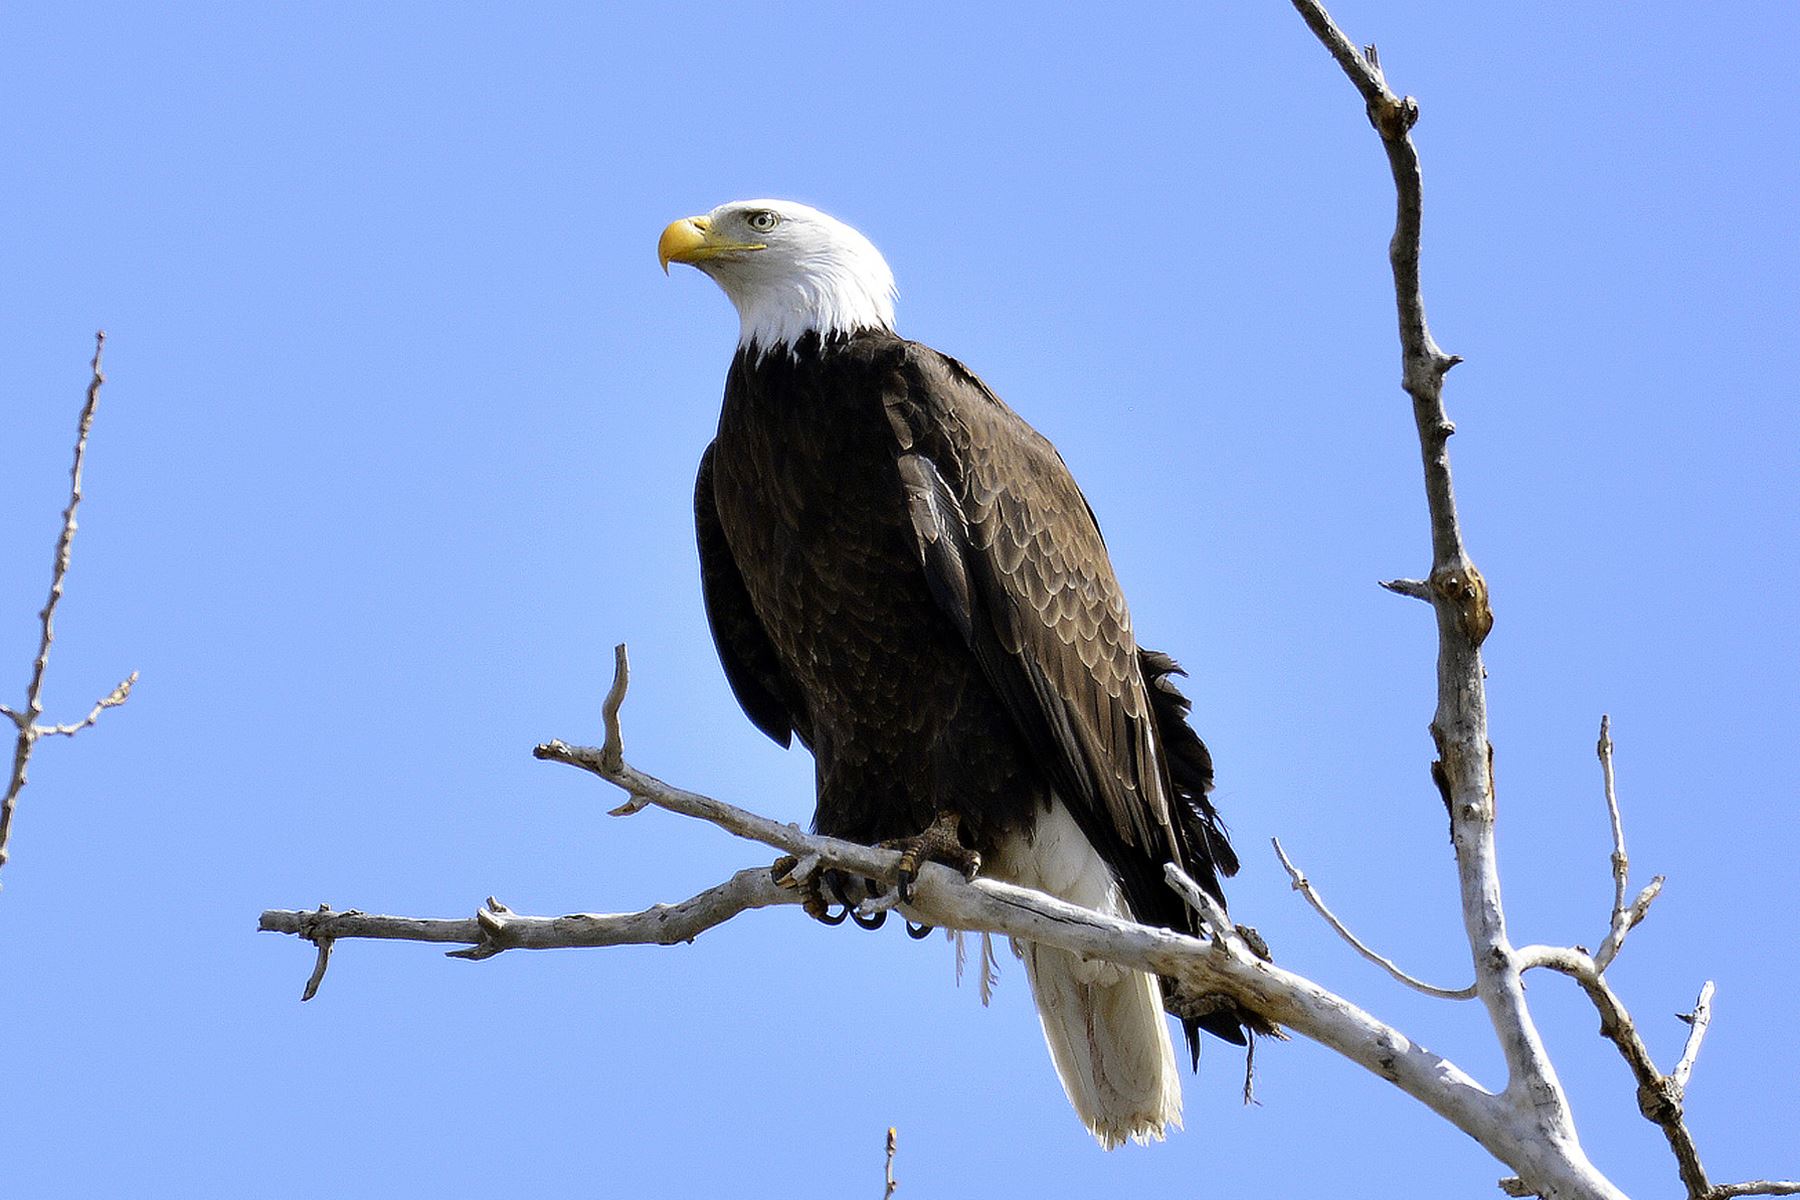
(940, 842)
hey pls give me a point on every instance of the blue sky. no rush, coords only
(400, 440)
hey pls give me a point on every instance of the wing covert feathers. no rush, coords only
(1027, 579)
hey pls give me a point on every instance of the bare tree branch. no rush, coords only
(942, 897)
(1225, 965)
(892, 1183)
(1304, 886)
(25, 720)
(1464, 770)
(495, 927)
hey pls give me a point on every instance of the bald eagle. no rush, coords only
(901, 572)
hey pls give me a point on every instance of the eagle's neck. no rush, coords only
(833, 296)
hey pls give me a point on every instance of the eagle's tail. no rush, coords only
(1110, 1044)
(1104, 1024)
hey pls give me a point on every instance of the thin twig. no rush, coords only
(64, 541)
(25, 720)
(892, 1183)
(1304, 886)
(612, 751)
(112, 699)
(1697, 1021)
(1621, 863)
(1755, 1187)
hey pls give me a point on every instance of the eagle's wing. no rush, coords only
(751, 666)
(1014, 557)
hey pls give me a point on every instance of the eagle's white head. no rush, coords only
(789, 269)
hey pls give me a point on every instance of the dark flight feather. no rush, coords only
(751, 665)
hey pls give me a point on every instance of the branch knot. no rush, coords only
(1660, 1100)
(1461, 586)
(1394, 117)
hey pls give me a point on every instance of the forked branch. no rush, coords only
(1464, 770)
(27, 728)
(1625, 916)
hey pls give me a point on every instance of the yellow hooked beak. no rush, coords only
(690, 240)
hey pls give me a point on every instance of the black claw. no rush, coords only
(872, 921)
(835, 882)
(903, 882)
(818, 906)
(918, 932)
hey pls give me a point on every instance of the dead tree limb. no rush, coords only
(1221, 964)
(1464, 770)
(1464, 766)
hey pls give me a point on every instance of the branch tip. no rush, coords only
(1224, 933)
(1417, 589)
(612, 751)
(323, 960)
(112, 699)
(1697, 1021)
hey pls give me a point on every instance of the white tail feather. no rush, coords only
(1104, 1024)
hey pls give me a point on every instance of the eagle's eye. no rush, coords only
(762, 220)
